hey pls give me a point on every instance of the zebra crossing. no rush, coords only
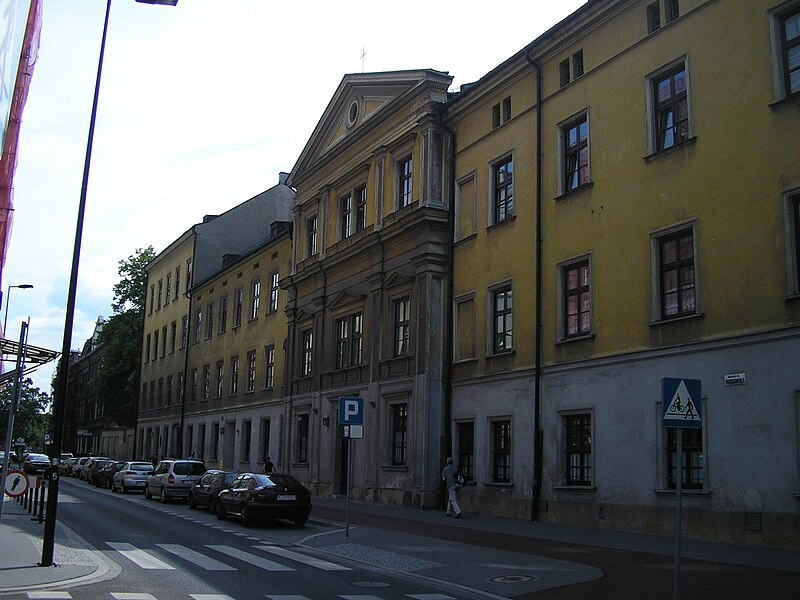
(148, 560)
(55, 595)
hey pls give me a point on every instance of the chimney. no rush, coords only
(282, 177)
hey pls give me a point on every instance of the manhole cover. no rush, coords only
(512, 579)
(370, 584)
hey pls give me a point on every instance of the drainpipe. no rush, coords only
(448, 342)
(538, 446)
(186, 352)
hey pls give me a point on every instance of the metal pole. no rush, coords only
(349, 483)
(59, 408)
(12, 410)
(678, 490)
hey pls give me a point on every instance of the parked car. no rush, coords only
(90, 467)
(80, 467)
(254, 496)
(204, 492)
(173, 479)
(105, 476)
(35, 464)
(132, 476)
(65, 467)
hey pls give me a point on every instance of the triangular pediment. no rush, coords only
(345, 298)
(358, 102)
(396, 279)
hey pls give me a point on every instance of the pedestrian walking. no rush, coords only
(450, 477)
(269, 466)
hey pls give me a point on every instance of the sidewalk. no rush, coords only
(21, 550)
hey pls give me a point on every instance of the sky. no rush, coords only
(201, 106)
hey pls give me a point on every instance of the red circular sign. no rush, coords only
(17, 483)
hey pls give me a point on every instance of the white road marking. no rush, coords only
(252, 559)
(201, 560)
(304, 559)
(140, 557)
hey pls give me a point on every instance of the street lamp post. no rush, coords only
(22, 286)
(48, 541)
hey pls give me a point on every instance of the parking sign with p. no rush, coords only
(351, 416)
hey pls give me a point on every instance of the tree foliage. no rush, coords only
(130, 293)
(31, 421)
(116, 386)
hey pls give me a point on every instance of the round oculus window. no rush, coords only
(352, 113)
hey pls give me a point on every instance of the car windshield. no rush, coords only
(144, 467)
(38, 457)
(273, 480)
(189, 468)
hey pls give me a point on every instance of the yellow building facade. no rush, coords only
(650, 153)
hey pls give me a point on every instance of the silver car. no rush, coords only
(132, 476)
(173, 479)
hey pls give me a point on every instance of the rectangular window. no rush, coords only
(234, 375)
(653, 17)
(247, 428)
(269, 367)
(181, 386)
(251, 371)
(789, 24)
(496, 116)
(168, 398)
(160, 293)
(466, 449)
(152, 298)
(563, 71)
(223, 314)
(692, 457)
(506, 109)
(578, 449)
(184, 331)
(671, 10)
(214, 441)
(220, 378)
(306, 364)
(671, 108)
(163, 341)
(502, 320)
(399, 428)
(311, 233)
(575, 160)
(193, 395)
(361, 208)
(348, 341)
(206, 381)
(155, 344)
(263, 439)
(346, 212)
(273, 292)
(501, 451)
(402, 326)
(405, 173)
(188, 274)
(238, 301)
(168, 289)
(577, 308)
(255, 299)
(177, 282)
(210, 320)
(301, 448)
(503, 190)
(677, 274)
(160, 397)
(147, 348)
(577, 64)
(465, 328)
(173, 335)
(198, 325)
(201, 442)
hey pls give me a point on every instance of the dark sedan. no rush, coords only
(35, 464)
(94, 468)
(254, 496)
(104, 478)
(204, 493)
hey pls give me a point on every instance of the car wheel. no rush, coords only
(221, 515)
(164, 499)
(147, 493)
(300, 522)
(247, 517)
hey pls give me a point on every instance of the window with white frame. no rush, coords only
(251, 371)
(269, 367)
(360, 195)
(311, 236)
(301, 439)
(503, 190)
(255, 298)
(575, 153)
(198, 325)
(345, 215)
(234, 375)
(785, 25)
(238, 301)
(195, 377)
(502, 319)
(177, 282)
(669, 107)
(501, 451)
(575, 301)
(405, 170)
(349, 340)
(223, 313)
(274, 278)
(168, 289)
(210, 320)
(692, 458)
(206, 381)
(401, 313)
(577, 448)
(307, 353)
(184, 331)
(220, 378)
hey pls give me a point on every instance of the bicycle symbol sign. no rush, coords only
(681, 402)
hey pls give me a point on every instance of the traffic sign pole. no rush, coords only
(678, 490)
